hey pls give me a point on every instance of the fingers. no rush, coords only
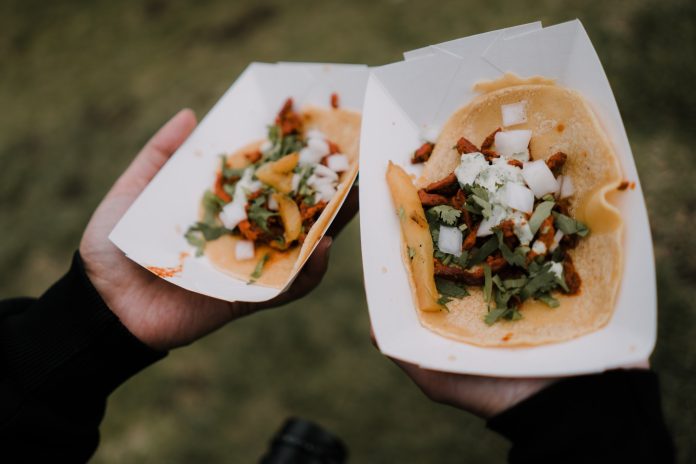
(346, 213)
(157, 151)
(310, 276)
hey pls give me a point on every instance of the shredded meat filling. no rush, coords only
(490, 140)
(445, 186)
(253, 156)
(457, 274)
(289, 121)
(219, 191)
(556, 162)
(431, 199)
(571, 276)
(464, 146)
(458, 201)
(423, 153)
(507, 227)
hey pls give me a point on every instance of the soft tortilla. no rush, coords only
(341, 127)
(560, 120)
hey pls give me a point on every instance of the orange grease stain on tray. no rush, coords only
(169, 271)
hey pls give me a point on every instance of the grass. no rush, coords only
(84, 84)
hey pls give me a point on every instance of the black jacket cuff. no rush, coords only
(69, 329)
(610, 417)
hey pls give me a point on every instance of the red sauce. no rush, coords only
(169, 271)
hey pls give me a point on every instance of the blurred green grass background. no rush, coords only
(83, 84)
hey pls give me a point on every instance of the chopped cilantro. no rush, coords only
(487, 283)
(493, 315)
(450, 289)
(542, 280)
(462, 259)
(198, 234)
(569, 225)
(513, 259)
(548, 300)
(212, 205)
(446, 214)
(541, 212)
(486, 249)
(259, 214)
(258, 270)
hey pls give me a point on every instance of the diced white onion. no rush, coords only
(233, 213)
(514, 113)
(322, 171)
(513, 144)
(325, 192)
(450, 240)
(518, 197)
(338, 162)
(318, 145)
(272, 203)
(539, 178)
(557, 268)
(243, 250)
(309, 156)
(295, 182)
(245, 186)
(522, 229)
(556, 240)
(314, 181)
(470, 165)
(567, 187)
(486, 226)
(539, 247)
(266, 146)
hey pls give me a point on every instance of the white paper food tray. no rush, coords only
(151, 233)
(408, 99)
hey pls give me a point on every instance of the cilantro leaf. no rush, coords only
(493, 315)
(487, 283)
(446, 214)
(198, 234)
(486, 249)
(450, 289)
(259, 214)
(212, 205)
(513, 259)
(548, 300)
(569, 225)
(541, 212)
(258, 270)
(541, 281)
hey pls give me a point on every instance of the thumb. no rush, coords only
(156, 152)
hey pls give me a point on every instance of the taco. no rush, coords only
(273, 199)
(509, 237)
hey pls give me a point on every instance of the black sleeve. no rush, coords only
(610, 417)
(60, 356)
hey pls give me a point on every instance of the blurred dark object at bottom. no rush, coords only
(303, 442)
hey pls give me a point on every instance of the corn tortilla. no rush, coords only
(560, 120)
(341, 127)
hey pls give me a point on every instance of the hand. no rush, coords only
(159, 313)
(483, 396)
